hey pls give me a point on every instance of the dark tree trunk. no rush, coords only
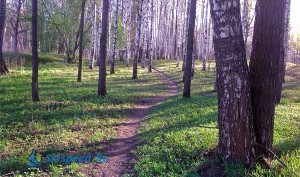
(79, 79)
(235, 120)
(3, 68)
(189, 55)
(266, 59)
(35, 60)
(138, 38)
(285, 54)
(103, 52)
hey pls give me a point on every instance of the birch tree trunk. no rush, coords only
(266, 58)
(16, 27)
(236, 136)
(103, 51)
(186, 36)
(93, 37)
(204, 57)
(128, 43)
(138, 38)
(133, 25)
(150, 37)
(99, 32)
(175, 36)
(112, 64)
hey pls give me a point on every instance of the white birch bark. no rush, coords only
(112, 66)
(99, 32)
(128, 21)
(138, 39)
(186, 34)
(93, 36)
(204, 57)
(150, 37)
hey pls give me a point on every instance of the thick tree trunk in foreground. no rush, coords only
(236, 136)
(3, 68)
(138, 38)
(35, 61)
(103, 50)
(79, 79)
(189, 55)
(266, 59)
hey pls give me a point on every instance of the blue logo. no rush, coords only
(66, 159)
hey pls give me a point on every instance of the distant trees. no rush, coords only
(35, 60)
(103, 50)
(3, 67)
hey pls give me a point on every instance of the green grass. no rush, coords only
(70, 117)
(180, 132)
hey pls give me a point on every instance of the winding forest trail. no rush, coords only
(119, 152)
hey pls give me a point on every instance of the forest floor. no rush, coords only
(121, 159)
(174, 136)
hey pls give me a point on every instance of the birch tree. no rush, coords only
(93, 36)
(150, 38)
(186, 35)
(16, 26)
(235, 121)
(112, 64)
(138, 38)
(128, 24)
(205, 36)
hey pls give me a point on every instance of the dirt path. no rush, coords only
(119, 152)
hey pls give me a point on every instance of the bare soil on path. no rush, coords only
(121, 160)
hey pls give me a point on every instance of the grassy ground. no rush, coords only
(70, 118)
(180, 132)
